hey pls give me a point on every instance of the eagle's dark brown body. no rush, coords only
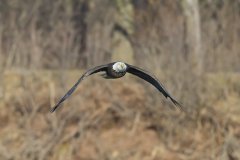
(113, 74)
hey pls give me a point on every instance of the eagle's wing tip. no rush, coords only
(53, 109)
(176, 103)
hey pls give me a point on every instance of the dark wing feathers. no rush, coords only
(131, 69)
(88, 73)
(147, 77)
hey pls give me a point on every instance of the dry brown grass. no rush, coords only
(113, 120)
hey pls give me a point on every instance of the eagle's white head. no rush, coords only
(119, 67)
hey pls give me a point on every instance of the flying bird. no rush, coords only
(117, 70)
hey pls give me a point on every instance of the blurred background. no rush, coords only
(192, 46)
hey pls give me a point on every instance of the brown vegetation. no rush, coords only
(42, 42)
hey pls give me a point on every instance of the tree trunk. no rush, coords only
(193, 45)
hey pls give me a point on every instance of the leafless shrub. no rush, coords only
(220, 36)
(44, 34)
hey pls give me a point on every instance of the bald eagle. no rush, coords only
(117, 70)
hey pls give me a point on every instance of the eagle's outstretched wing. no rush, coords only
(88, 73)
(152, 80)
